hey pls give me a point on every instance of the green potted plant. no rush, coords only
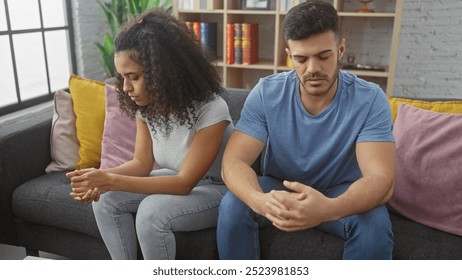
(115, 13)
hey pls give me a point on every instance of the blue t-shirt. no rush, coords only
(318, 151)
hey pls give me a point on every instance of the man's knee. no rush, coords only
(232, 209)
(378, 219)
(375, 227)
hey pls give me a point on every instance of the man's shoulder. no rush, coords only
(360, 90)
(363, 94)
(360, 85)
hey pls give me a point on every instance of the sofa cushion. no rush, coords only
(64, 145)
(119, 133)
(414, 241)
(449, 106)
(45, 200)
(89, 101)
(429, 149)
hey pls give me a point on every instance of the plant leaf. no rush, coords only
(115, 13)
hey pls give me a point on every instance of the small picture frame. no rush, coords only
(255, 4)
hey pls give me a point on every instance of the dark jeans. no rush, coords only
(367, 235)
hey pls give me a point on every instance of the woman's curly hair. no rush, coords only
(176, 71)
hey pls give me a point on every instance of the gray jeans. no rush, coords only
(125, 218)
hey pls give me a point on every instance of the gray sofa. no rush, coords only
(36, 211)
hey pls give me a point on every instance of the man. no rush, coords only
(330, 154)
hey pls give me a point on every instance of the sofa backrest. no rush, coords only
(235, 97)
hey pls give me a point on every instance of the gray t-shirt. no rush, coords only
(170, 151)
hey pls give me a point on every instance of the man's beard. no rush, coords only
(310, 77)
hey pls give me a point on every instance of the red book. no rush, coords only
(249, 43)
(197, 30)
(230, 43)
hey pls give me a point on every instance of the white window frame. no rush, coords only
(46, 96)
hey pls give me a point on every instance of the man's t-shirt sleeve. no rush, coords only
(378, 126)
(253, 119)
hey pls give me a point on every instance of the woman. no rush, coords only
(165, 80)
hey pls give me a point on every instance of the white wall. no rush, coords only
(430, 50)
(89, 27)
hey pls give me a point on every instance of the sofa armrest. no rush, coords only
(24, 155)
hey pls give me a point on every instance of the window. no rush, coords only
(36, 51)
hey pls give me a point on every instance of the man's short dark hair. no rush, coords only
(309, 18)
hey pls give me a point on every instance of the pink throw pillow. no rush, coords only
(428, 186)
(119, 133)
(64, 144)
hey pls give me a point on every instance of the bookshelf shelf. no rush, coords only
(370, 73)
(263, 64)
(198, 11)
(372, 37)
(365, 15)
(251, 12)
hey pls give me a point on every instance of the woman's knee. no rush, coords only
(152, 213)
(105, 202)
(117, 203)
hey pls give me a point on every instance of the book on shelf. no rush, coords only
(241, 43)
(206, 33)
(237, 43)
(197, 30)
(230, 43)
(249, 43)
(209, 37)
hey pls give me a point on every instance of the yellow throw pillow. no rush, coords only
(89, 101)
(454, 107)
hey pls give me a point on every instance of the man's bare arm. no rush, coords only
(241, 152)
(377, 161)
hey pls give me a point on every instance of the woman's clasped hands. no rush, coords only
(87, 184)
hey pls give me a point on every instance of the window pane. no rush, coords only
(30, 62)
(58, 58)
(3, 26)
(7, 85)
(54, 13)
(24, 14)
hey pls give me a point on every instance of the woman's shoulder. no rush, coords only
(215, 107)
(215, 101)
